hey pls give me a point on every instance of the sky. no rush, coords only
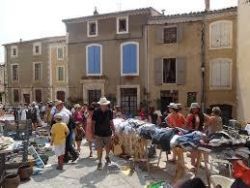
(29, 19)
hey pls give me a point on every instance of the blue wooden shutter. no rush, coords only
(94, 60)
(129, 59)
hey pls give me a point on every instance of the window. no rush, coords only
(37, 71)
(14, 51)
(122, 25)
(37, 48)
(60, 54)
(60, 73)
(170, 34)
(129, 100)
(94, 59)
(169, 70)
(220, 74)
(15, 70)
(221, 34)
(38, 95)
(191, 98)
(15, 95)
(60, 95)
(92, 29)
(130, 58)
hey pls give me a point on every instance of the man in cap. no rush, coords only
(103, 128)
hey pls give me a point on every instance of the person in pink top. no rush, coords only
(89, 130)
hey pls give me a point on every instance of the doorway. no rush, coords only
(129, 101)
(94, 95)
(168, 96)
(226, 112)
(60, 95)
(26, 98)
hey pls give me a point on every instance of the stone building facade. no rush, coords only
(29, 71)
(243, 60)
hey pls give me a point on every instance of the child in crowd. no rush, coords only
(59, 132)
(89, 129)
(80, 133)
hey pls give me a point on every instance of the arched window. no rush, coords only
(221, 34)
(94, 59)
(130, 58)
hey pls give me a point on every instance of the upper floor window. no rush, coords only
(13, 51)
(130, 58)
(220, 74)
(94, 59)
(169, 70)
(60, 53)
(122, 25)
(92, 29)
(170, 35)
(15, 70)
(37, 48)
(60, 73)
(221, 34)
(37, 71)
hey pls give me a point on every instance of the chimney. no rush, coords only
(207, 5)
(163, 11)
(95, 11)
(20, 40)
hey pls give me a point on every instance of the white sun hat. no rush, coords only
(103, 101)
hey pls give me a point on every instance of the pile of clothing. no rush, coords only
(5, 142)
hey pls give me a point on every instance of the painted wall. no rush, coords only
(243, 59)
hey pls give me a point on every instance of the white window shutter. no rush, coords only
(179, 33)
(181, 70)
(159, 34)
(225, 73)
(158, 71)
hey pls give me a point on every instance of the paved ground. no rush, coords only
(84, 174)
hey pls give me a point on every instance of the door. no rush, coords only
(60, 95)
(167, 97)
(26, 98)
(226, 112)
(129, 101)
(94, 95)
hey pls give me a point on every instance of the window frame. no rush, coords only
(15, 64)
(11, 50)
(137, 58)
(163, 33)
(57, 73)
(39, 44)
(41, 71)
(60, 47)
(88, 28)
(217, 60)
(101, 60)
(176, 71)
(118, 24)
(231, 34)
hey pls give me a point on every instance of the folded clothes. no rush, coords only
(191, 139)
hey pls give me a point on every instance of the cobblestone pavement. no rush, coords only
(84, 173)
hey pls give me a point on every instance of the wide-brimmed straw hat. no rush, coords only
(58, 102)
(173, 106)
(103, 101)
(195, 105)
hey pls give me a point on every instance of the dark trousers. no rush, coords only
(69, 149)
